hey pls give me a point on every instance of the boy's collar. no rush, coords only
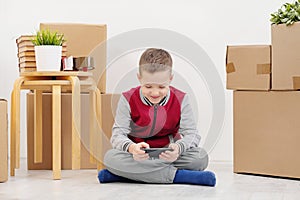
(146, 101)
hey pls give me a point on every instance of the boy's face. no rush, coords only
(155, 86)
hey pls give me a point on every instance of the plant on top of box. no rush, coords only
(287, 14)
(48, 50)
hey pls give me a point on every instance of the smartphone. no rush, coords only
(154, 152)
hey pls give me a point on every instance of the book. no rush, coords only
(27, 59)
(26, 53)
(32, 53)
(27, 69)
(30, 44)
(27, 64)
(31, 48)
(25, 48)
(24, 38)
(25, 43)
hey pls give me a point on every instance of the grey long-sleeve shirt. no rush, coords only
(121, 128)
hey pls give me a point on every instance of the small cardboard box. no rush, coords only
(85, 40)
(285, 57)
(66, 130)
(3, 141)
(266, 133)
(248, 67)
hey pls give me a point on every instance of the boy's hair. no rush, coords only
(155, 60)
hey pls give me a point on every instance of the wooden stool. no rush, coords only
(52, 81)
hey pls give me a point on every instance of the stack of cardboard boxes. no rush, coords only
(84, 40)
(266, 104)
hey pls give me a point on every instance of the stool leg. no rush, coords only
(56, 131)
(38, 127)
(15, 126)
(76, 122)
(92, 128)
(12, 136)
(99, 132)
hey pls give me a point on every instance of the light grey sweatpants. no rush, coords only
(154, 171)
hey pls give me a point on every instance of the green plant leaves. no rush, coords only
(287, 14)
(46, 37)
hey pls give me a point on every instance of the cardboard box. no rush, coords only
(267, 133)
(108, 108)
(3, 141)
(66, 127)
(109, 103)
(84, 40)
(285, 57)
(248, 67)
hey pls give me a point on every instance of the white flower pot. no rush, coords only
(48, 57)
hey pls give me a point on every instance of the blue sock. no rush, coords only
(195, 177)
(106, 176)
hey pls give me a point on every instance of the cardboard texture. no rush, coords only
(108, 108)
(3, 141)
(109, 104)
(85, 40)
(285, 56)
(266, 133)
(248, 67)
(66, 103)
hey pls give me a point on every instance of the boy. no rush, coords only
(155, 115)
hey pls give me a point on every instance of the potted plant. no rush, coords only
(48, 50)
(285, 31)
(287, 14)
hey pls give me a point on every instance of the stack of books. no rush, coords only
(26, 55)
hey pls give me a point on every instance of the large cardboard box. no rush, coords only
(3, 141)
(84, 40)
(267, 133)
(108, 108)
(66, 127)
(109, 103)
(285, 57)
(248, 67)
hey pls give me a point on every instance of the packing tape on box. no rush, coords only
(263, 68)
(230, 67)
(296, 82)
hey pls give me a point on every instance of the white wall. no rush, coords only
(211, 24)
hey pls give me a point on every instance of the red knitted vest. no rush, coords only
(154, 124)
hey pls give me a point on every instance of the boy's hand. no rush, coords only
(137, 153)
(170, 156)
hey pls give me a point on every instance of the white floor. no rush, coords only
(83, 184)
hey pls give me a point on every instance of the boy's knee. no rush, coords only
(109, 157)
(200, 162)
(193, 159)
(113, 156)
